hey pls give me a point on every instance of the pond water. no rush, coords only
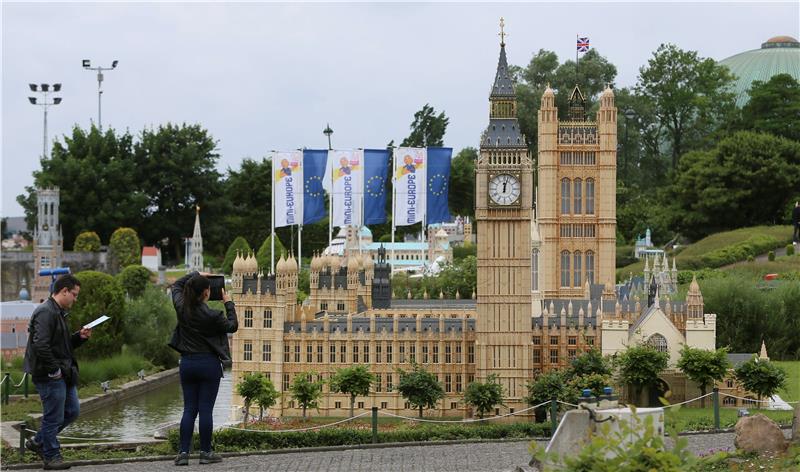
(138, 417)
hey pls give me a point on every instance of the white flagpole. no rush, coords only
(394, 203)
(272, 236)
(363, 196)
(299, 247)
(330, 201)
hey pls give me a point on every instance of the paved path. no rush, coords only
(501, 456)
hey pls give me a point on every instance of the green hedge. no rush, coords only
(625, 256)
(740, 251)
(237, 440)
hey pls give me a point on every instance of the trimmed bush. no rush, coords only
(88, 241)
(134, 279)
(238, 245)
(771, 256)
(237, 440)
(790, 249)
(101, 294)
(125, 247)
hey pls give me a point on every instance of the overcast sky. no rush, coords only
(263, 76)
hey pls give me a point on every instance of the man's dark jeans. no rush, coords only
(796, 233)
(200, 374)
(60, 407)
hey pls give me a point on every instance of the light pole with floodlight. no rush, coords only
(87, 64)
(44, 89)
(328, 132)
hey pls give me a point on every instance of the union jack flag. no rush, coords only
(583, 44)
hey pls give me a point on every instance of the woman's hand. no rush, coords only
(225, 297)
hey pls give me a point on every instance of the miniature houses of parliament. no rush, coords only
(545, 290)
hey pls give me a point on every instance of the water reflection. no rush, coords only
(138, 417)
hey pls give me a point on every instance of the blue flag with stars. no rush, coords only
(314, 163)
(438, 184)
(376, 170)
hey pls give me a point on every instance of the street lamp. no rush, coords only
(44, 89)
(328, 132)
(87, 64)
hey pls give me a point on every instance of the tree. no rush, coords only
(545, 387)
(689, 95)
(462, 182)
(148, 324)
(251, 387)
(704, 367)
(264, 254)
(639, 366)
(589, 362)
(774, 107)
(238, 246)
(134, 279)
(248, 190)
(177, 168)
(87, 241)
(427, 129)
(125, 247)
(420, 388)
(484, 396)
(267, 398)
(353, 381)
(306, 391)
(747, 179)
(98, 179)
(761, 377)
(101, 294)
(460, 276)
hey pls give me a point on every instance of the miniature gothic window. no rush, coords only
(577, 196)
(565, 196)
(590, 196)
(266, 352)
(248, 350)
(577, 269)
(729, 401)
(658, 342)
(268, 318)
(535, 270)
(248, 318)
(590, 267)
(565, 269)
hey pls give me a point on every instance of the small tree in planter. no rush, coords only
(267, 398)
(552, 384)
(306, 391)
(420, 388)
(639, 366)
(354, 381)
(704, 367)
(761, 377)
(484, 396)
(250, 388)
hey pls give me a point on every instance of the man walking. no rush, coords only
(49, 360)
(796, 222)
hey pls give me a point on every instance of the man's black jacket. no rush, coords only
(205, 330)
(50, 344)
(796, 215)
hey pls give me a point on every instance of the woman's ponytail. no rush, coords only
(193, 294)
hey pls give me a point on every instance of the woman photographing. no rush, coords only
(201, 337)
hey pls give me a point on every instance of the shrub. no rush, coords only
(125, 247)
(101, 294)
(790, 249)
(134, 279)
(88, 241)
(750, 258)
(239, 245)
(240, 440)
(771, 256)
(625, 256)
(149, 321)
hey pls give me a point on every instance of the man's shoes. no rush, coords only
(182, 459)
(209, 457)
(34, 447)
(56, 463)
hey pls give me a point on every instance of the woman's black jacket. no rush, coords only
(205, 329)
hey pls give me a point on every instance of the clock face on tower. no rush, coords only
(504, 189)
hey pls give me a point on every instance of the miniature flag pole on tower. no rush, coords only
(582, 45)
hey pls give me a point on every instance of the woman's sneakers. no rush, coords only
(182, 459)
(209, 457)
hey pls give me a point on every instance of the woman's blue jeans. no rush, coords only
(200, 374)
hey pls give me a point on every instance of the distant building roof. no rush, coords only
(778, 55)
(13, 340)
(738, 358)
(149, 251)
(17, 309)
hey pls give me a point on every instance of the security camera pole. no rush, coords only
(87, 64)
(44, 89)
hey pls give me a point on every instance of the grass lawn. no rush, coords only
(792, 391)
(782, 233)
(697, 419)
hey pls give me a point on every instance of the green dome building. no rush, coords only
(779, 55)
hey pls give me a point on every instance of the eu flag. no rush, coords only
(314, 163)
(376, 169)
(438, 184)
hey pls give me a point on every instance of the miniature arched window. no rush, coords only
(590, 266)
(577, 196)
(565, 183)
(590, 196)
(535, 270)
(658, 342)
(576, 279)
(565, 269)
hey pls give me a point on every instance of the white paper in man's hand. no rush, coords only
(97, 322)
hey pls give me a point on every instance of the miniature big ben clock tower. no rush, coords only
(503, 200)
